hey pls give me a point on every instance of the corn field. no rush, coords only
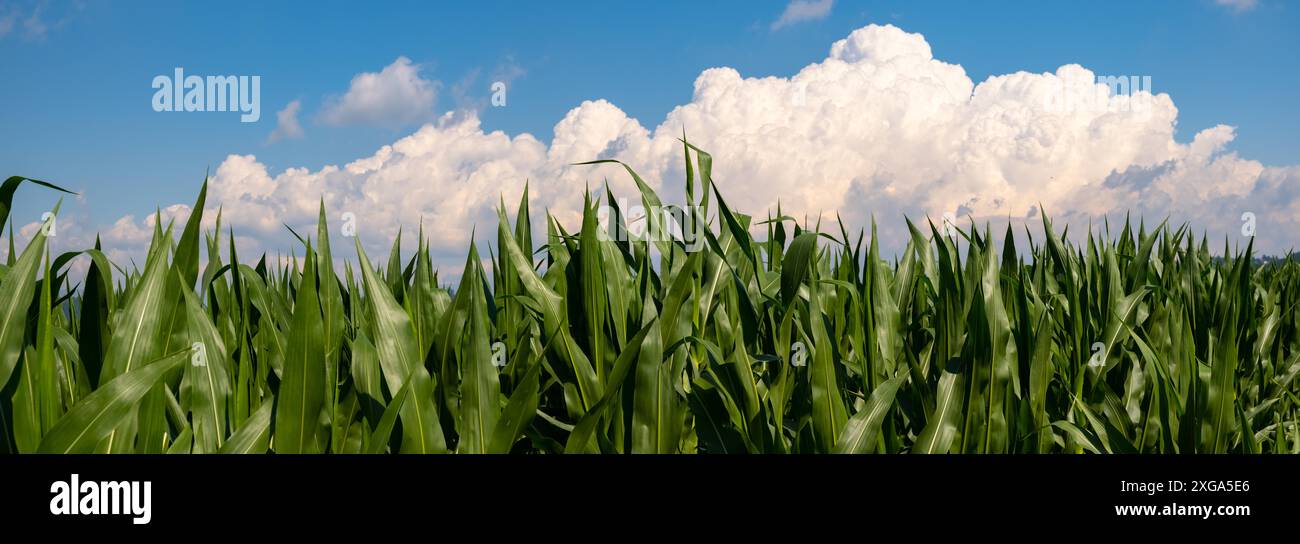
(803, 341)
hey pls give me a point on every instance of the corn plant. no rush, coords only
(803, 340)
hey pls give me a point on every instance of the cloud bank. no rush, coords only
(879, 128)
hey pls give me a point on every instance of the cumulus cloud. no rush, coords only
(877, 128)
(1238, 5)
(287, 126)
(447, 175)
(394, 96)
(798, 11)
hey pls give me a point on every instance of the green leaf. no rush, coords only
(208, 377)
(395, 343)
(654, 420)
(16, 293)
(94, 417)
(479, 385)
(863, 429)
(7, 191)
(187, 250)
(795, 266)
(302, 387)
(255, 435)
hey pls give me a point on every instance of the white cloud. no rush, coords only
(34, 26)
(128, 231)
(124, 241)
(448, 174)
(395, 96)
(472, 93)
(877, 128)
(35, 20)
(508, 70)
(798, 11)
(7, 23)
(1238, 5)
(287, 126)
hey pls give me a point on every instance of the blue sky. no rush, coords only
(77, 96)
